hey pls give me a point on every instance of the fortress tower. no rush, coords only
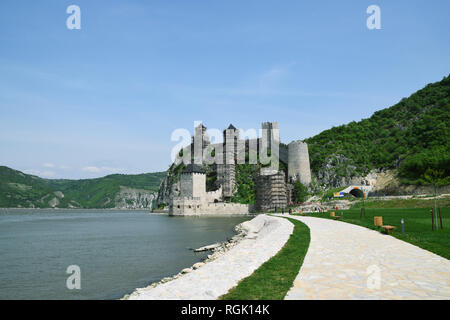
(193, 182)
(200, 141)
(194, 200)
(270, 190)
(226, 172)
(271, 128)
(298, 162)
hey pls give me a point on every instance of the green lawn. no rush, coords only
(274, 278)
(404, 203)
(417, 225)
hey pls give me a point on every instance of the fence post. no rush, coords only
(432, 220)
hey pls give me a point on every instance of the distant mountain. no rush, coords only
(18, 189)
(410, 137)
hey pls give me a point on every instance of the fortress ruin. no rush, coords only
(274, 186)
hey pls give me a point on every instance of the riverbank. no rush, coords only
(79, 209)
(134, 248)
(257, 241)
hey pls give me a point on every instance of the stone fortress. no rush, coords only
(274, 187)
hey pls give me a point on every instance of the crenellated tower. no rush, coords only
(226, 172)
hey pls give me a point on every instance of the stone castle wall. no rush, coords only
(193, 185)
(193, 206)
(298, 162)
(284, 154)
(226, 177)
(213, 196)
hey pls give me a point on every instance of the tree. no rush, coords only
(300, 192)
(435, 178)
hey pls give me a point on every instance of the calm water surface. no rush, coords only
(117, 251)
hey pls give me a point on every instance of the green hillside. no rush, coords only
(20, 189)
(17, 188)
(412, 136)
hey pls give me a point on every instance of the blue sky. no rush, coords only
(106, 98)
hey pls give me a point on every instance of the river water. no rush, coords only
(116, 251)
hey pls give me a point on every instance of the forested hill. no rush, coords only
(412, 136)
(18, 189)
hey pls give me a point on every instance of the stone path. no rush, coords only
(345, 261)
(266, 236)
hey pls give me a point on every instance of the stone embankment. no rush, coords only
(316, 206)
(257, 241)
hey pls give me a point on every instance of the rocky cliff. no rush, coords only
(20, 190)
(129, 198)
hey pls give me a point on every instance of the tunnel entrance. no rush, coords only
(357, 193)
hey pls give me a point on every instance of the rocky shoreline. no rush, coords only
(255, 242)
(241, 233)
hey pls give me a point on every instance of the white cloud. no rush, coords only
(274, 75)
(52, 165)
(48, 165)
(91, 169)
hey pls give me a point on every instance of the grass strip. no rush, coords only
(273, 279)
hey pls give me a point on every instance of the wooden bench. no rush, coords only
(388, 229)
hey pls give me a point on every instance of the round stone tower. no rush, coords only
(298, 162)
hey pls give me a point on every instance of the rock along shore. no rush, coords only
(256, 242)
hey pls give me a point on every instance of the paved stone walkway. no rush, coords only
(266, 236)
(345, 261)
